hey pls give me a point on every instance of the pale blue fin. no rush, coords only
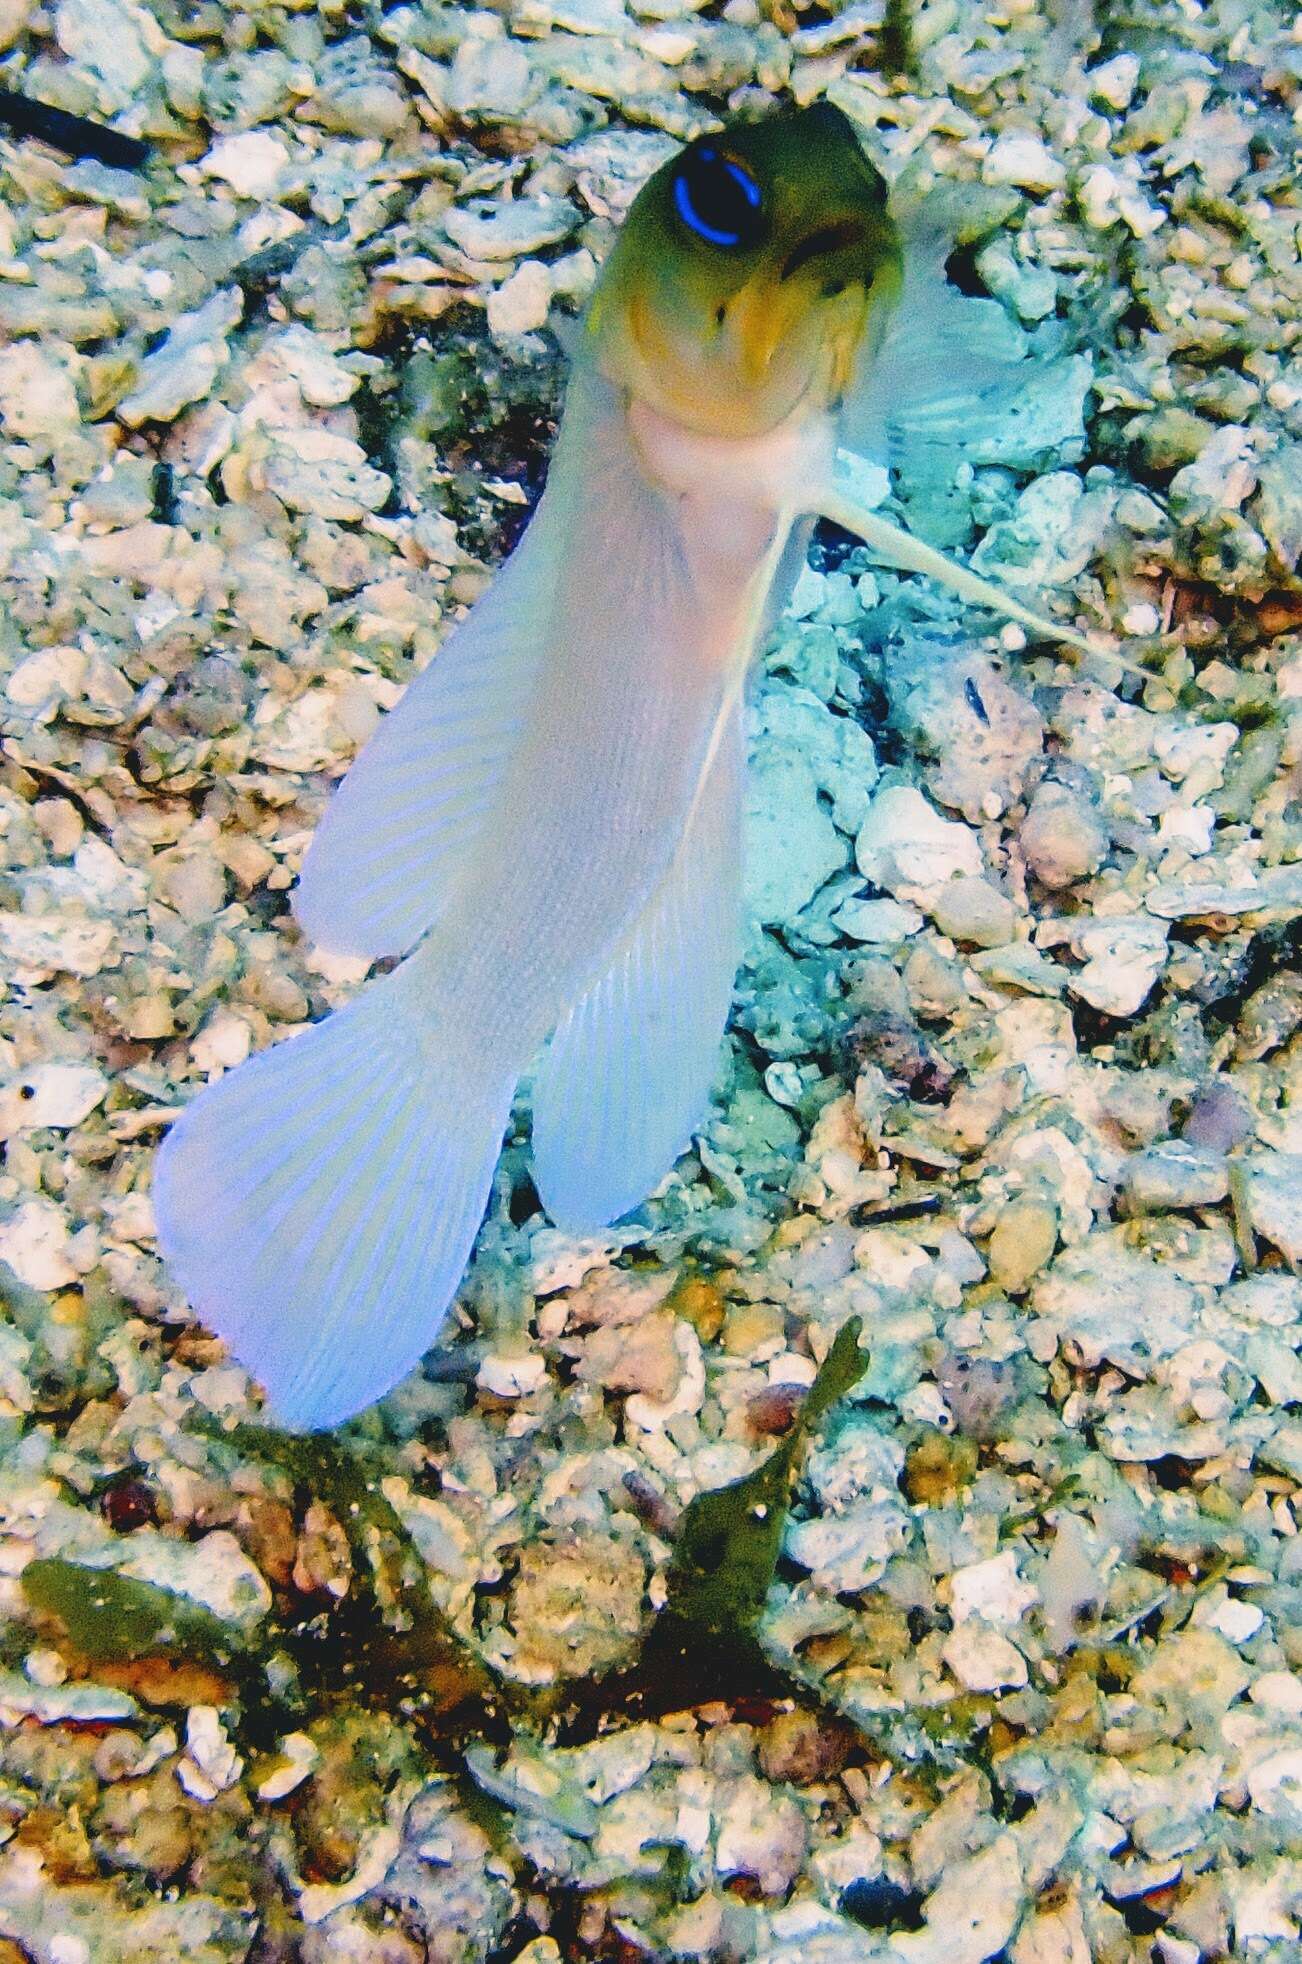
(895, 547)
(943, 378)
(319, 1205)
(626, 1079)
(396, 835)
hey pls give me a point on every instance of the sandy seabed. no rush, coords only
(1013, 1074)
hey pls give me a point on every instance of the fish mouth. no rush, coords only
(765, 356)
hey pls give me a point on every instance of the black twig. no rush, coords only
(76, 135)
(903, 1210)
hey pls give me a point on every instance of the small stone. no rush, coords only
(881, 922)
(1025, 160)
(905, 845)
(1062, 836)
(1272, 1200)
(252, 162)
(762, 1834)
(520, 304)
(1023, 1242)
(1278, 506)
(43, 680)
(324, 474)
(971, 911)
(211, 1763)
(1123, 956)
(185, 367)
(34, 1240)
(1238, 1622)
(972, 1912)
(55, 1095)
(1175, 1174)
(14, 16)
(1113, 82)
(800, 1747)
(37, 398)
(1220, 1118)
(992, 1591)
(224, 1041)
(1221, 477)
(297, 1759)
(196, 886)
(105, 36)
(638, 1357)
(1193, 1669)
(513, 1376)
(490, 77)
(938, 1468)
(511, 229)
(61, 823)
(983, 1660)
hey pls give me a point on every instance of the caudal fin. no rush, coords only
(319, 1204)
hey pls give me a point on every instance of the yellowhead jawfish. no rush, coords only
(547, 826)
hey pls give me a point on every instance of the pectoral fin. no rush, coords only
(626, 1079)
(896, 547)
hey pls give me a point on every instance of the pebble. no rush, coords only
(211, 1763)
(252, 163)
(971, 911)
(1062, 837)
(905, 845)
(511, 229)
(762, 1834)
(1272, 1197)
(37, 396)
(1175, 1174)
(35, 1241)
(14, 16)
(105, 36)
(878, 921)
(187, 364)
(513, 1376)
(1023, 1242)
(54, 1095)
(1123, 958)
(983, 1660)
(521, 303)
(1023, 160)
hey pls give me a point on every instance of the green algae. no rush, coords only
(705, 1643)
(386, 1643)
(729, 1540)
(113, 1618)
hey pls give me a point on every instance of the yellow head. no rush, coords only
(746, 275)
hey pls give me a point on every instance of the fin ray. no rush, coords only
(291, 1195)
(415, 797)
(626, 1080)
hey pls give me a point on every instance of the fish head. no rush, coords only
(747, 274)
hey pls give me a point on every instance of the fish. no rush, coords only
(546, 829)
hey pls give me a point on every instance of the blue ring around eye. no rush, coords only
(692, 218)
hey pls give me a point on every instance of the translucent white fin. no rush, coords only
(896, 547)
(319, 1204)
(947, 367)
(395, 837)
(626, 1079)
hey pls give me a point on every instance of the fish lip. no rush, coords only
(651, 358)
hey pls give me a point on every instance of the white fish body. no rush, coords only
(547, 827)
(555, 806)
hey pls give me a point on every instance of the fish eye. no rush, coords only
(717, 198)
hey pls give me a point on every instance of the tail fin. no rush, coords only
(319, 1205)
